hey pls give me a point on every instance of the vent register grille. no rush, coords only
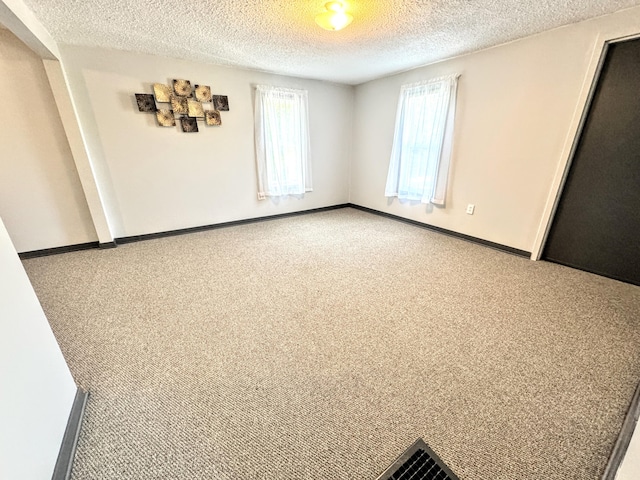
(418, 462)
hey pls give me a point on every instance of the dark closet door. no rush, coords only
(597, 224)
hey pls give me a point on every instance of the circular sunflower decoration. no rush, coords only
(212, 117)
(165, 118)
(179, 105)
(203, 93)
(182, 88)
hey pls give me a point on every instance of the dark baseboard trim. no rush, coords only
(234, 223)
(62, 470)
(203, 228)
(624, 437)
(54, 251)
(451, 233)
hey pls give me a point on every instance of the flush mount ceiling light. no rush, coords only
(335, 18)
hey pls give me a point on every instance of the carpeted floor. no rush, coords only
(321, 346)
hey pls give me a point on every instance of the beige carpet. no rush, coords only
(321, 346)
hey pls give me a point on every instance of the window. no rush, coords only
(419, 165)
(282, 142)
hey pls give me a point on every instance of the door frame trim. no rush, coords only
(585, 98)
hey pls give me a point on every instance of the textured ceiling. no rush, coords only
(281, 36)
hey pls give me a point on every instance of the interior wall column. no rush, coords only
(79, 151)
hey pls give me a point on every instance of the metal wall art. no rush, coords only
(165, 117)
(189, 124)
(187, 103)
(145, 102)
(211, 117)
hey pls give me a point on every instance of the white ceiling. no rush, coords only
(281, 36)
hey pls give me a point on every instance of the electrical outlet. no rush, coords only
(470, 208)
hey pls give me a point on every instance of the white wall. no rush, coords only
(516, 104)
(630, 467)
(158, 179)
(33, 417)
(41, 200)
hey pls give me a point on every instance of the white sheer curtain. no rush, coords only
(421, 153)
(283, 154)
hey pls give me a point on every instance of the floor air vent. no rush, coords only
(419, 462)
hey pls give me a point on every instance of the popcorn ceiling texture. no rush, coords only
(281, 36)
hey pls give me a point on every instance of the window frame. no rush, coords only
(424, 121)
(283, 151)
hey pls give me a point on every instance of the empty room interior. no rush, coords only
(320, 240)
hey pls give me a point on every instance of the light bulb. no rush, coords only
(335, 18)
(334, 6)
